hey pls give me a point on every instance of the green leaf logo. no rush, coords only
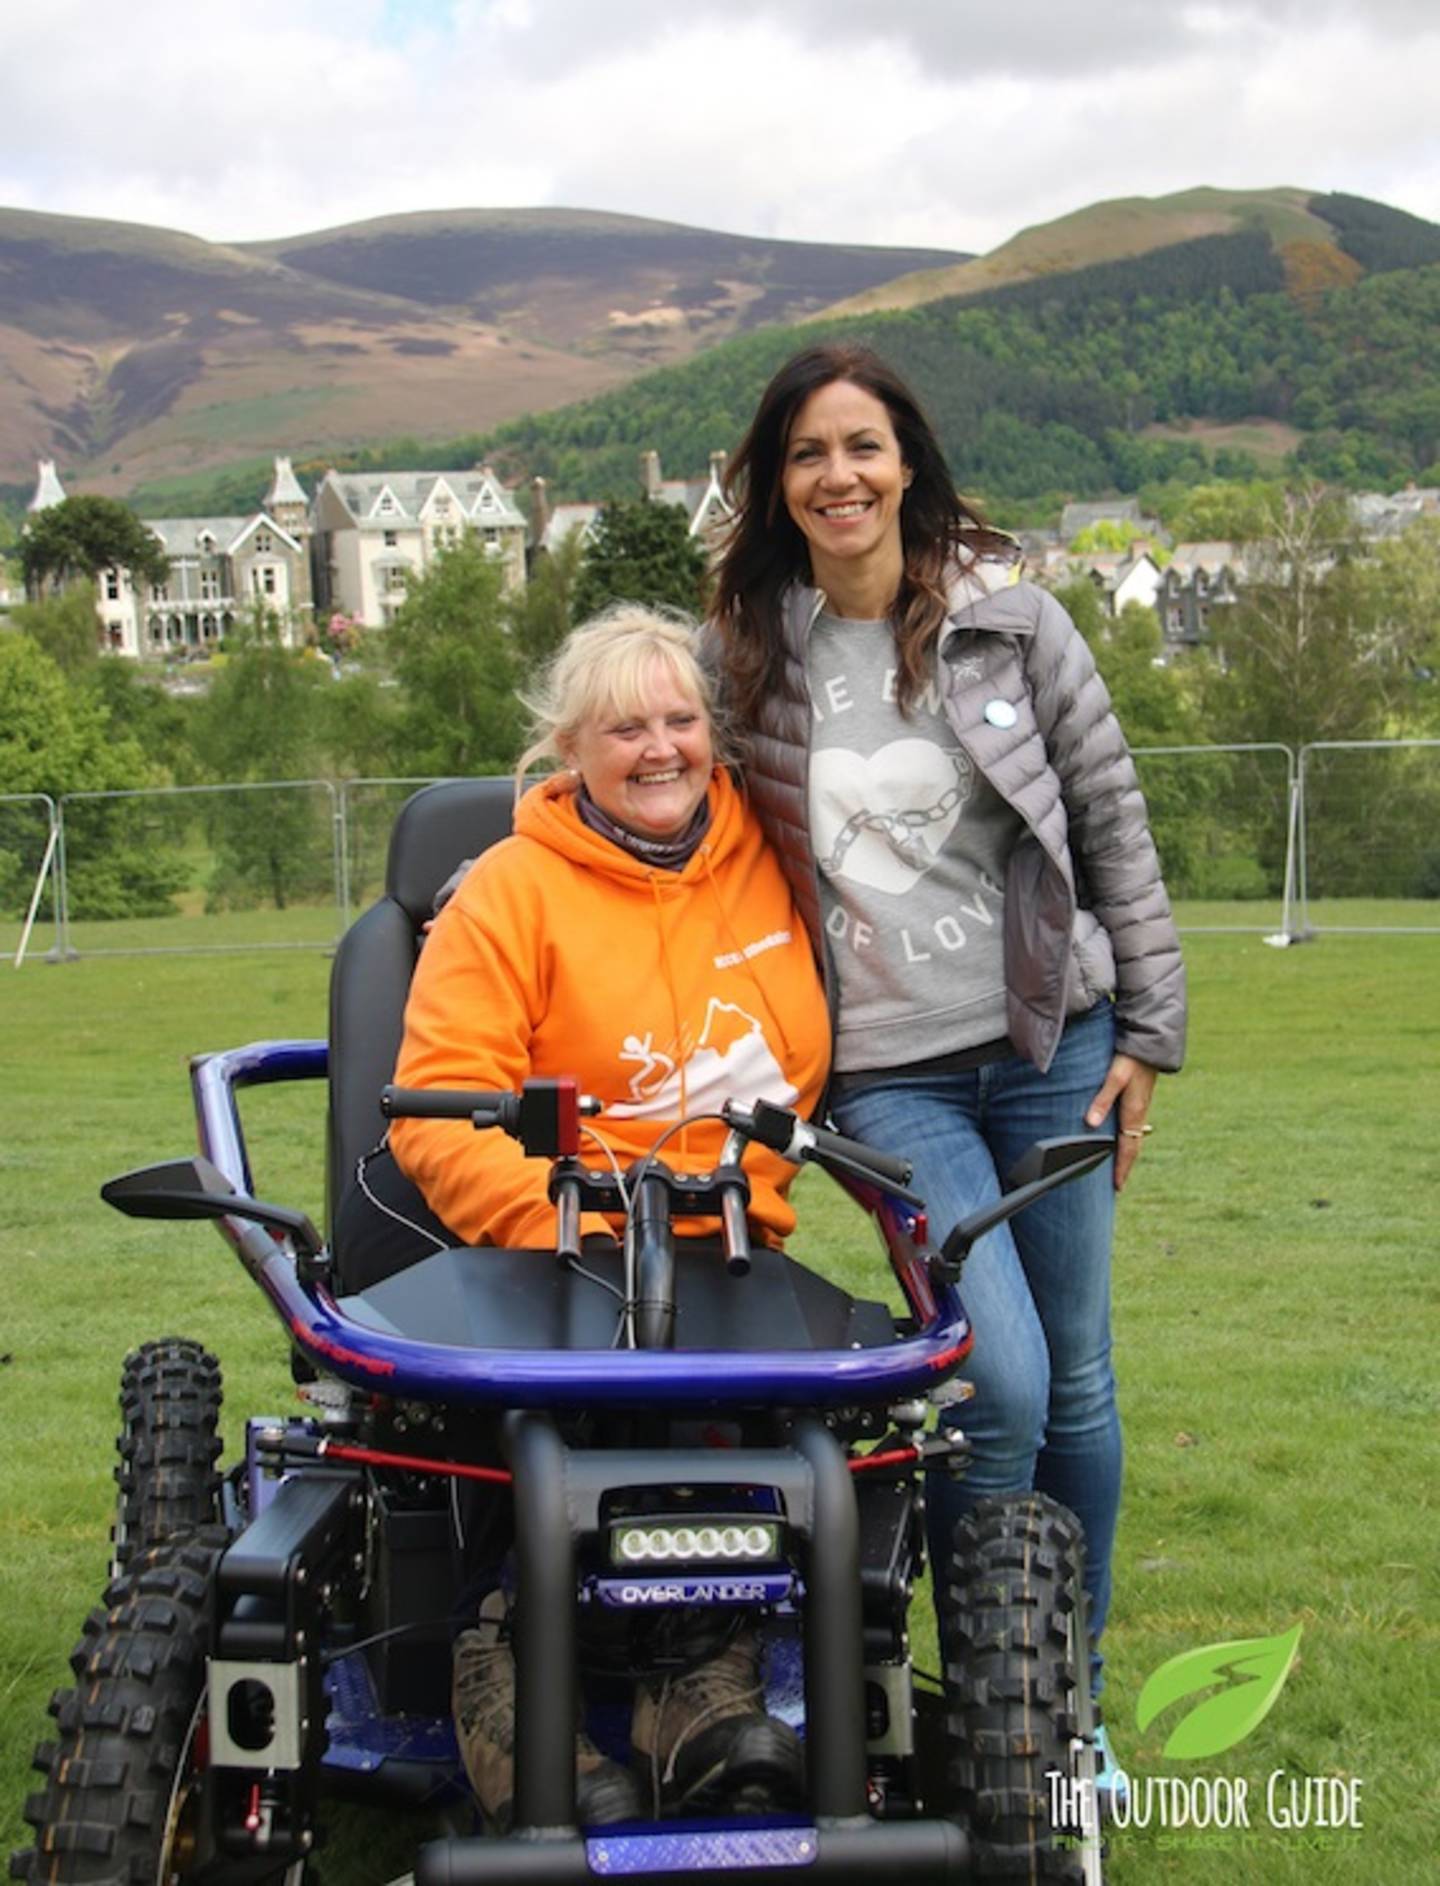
(1253, 1670)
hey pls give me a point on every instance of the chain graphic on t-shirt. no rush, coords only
(896, 827)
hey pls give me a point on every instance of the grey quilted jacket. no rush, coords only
(1086, 915)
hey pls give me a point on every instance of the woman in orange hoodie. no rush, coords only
(637, 933)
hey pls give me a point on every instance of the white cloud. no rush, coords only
(929, 123)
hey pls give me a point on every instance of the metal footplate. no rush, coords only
(847, 1853)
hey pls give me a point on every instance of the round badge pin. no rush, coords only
(1000, 714)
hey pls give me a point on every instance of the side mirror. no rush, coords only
(194, 1188)
(1048, 1163)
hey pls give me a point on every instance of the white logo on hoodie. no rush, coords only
(731, 1061)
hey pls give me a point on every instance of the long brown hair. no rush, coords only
(765, 550)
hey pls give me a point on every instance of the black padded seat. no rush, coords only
(489, 1299)
(436, 828)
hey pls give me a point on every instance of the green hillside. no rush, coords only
(1061, 386)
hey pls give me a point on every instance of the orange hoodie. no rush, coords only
(662, 992)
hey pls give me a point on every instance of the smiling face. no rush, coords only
(647, 769)
(843, 482)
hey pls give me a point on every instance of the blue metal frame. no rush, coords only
(662, 1379)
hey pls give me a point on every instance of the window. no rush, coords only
(112, 586)
(395, 577)
(160, 592)
(262, 579)
(209, 585)
(264, 543)
(392, 537)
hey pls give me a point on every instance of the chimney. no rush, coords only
(539, 508)
(650, 474)
(717, 466)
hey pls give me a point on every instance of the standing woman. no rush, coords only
(934, 758)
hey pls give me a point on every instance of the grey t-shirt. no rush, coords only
(912, 844)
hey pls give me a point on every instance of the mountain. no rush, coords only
(584, 278)
(1131, 341)
(1334, 237)
(1257, 350)
(136, 356)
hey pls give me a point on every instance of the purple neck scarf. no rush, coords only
(666, 854)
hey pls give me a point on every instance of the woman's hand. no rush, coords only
(1131, 1083)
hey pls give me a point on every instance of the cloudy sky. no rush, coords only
(932, 122)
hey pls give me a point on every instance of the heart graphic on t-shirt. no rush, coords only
(882, 821)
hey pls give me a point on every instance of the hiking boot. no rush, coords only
(708, 1743)
(483, 1706)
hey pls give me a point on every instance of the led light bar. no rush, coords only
(701, 1541)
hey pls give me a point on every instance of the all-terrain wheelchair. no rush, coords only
(664, 1437)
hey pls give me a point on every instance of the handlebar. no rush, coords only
(544, 1116)
(798, 1141)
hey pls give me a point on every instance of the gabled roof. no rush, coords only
(481, 497)
(1077, 517)
(565, 518)
(213, 536)
(1210, 557)
(252, 524)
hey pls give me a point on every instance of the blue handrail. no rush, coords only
(383, 1362)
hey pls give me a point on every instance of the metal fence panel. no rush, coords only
(367, 812)
(28, 836)
(1370, 850)
(288, 864)
(1221, 819)
(201, 868)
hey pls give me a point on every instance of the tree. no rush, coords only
(1226, 513)
(1107, 535)
(456, 663)
(259, 722)
(541, 614)
(641, 552)
(56, 737)
(82, 536)
(1299, 658)
(1402, 579)
(65, 626)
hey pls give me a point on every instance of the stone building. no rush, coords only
(375, 532)
(221, 568)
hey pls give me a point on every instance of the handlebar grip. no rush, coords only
(442, 1103)
(883, 1165)
(795, 1139)
(735, 1232)
(567, 1220)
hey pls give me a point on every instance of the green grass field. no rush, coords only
(1275, 1307)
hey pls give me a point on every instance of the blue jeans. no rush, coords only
(1037, 1290)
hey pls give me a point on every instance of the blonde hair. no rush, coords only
(603, 668)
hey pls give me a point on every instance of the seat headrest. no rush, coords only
(436, 828)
